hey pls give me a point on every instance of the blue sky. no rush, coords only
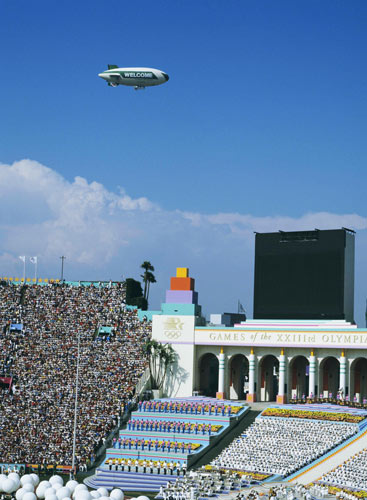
(263, 118)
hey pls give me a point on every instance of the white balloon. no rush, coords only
(45, 483)
(72, 484)
(40, 491)
(104, 497)
(29, 487)
(51, 497)
(26, 479)
(66, 498)
(95, 494)
(57, 486)
(82, 495)
(50, 491)
(80, 487)
(56, 479)
(103, 492)
(2, 477)
(117, 494)
(19, 494)
(8, 485)
(63, 492)
(14, 476)
(35, 479)
(29, 496)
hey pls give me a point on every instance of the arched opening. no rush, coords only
(359, 380)
(330, 368)
(299, 377)
(208, 369)
(269, 376)
(238, 382)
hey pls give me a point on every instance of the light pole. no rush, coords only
(62, 267)
(76, 405)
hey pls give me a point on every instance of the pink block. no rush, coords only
(181, 297)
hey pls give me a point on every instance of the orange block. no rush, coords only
(182, 284)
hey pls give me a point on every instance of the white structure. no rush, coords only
(261, 359)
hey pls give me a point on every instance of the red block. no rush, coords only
(182, 284)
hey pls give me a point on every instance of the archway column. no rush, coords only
(221, 374)
(251, 396)
(342, 374)
(281, 396)
(312, 377)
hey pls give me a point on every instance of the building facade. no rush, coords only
(261, 360)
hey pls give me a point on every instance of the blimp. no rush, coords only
(139, 78)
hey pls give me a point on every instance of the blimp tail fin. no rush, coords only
(112, 66)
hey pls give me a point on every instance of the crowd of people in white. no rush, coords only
(198, 484)
(205, 484)
(282, 446)
(36, 415)
(352, 473)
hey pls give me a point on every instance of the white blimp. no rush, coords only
(139, 78)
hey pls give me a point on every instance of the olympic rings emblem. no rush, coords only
(173, 334)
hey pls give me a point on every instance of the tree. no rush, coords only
(133, 290)
(148, 269)
(150, 279)
(160, 357)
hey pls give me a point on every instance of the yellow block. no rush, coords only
(182, 272)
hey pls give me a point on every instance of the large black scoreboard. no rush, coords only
(304, 275)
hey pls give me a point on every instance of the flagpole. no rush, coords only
(35, 270)
(24, 270)
(75, 407)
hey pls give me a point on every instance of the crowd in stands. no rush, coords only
(282, 446)
(9, 309)
(36, 415)
(352, 473)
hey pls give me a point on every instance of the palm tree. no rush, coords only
(150, 279)
(160, 357)
(148, 268)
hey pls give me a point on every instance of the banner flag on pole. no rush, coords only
(240, 307)
(22, 258)
(33, 260)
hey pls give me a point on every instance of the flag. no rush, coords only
(240, 307)
(22, 258)
(33, 260)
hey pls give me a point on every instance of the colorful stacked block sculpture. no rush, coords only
(182, 289)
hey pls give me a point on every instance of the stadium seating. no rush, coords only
(37, 415)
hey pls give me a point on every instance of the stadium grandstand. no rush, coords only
(39, 329)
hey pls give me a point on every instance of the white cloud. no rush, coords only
(109, 233)
(43, 213)
(242, 224)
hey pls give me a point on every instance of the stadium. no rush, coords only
(99, 398)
